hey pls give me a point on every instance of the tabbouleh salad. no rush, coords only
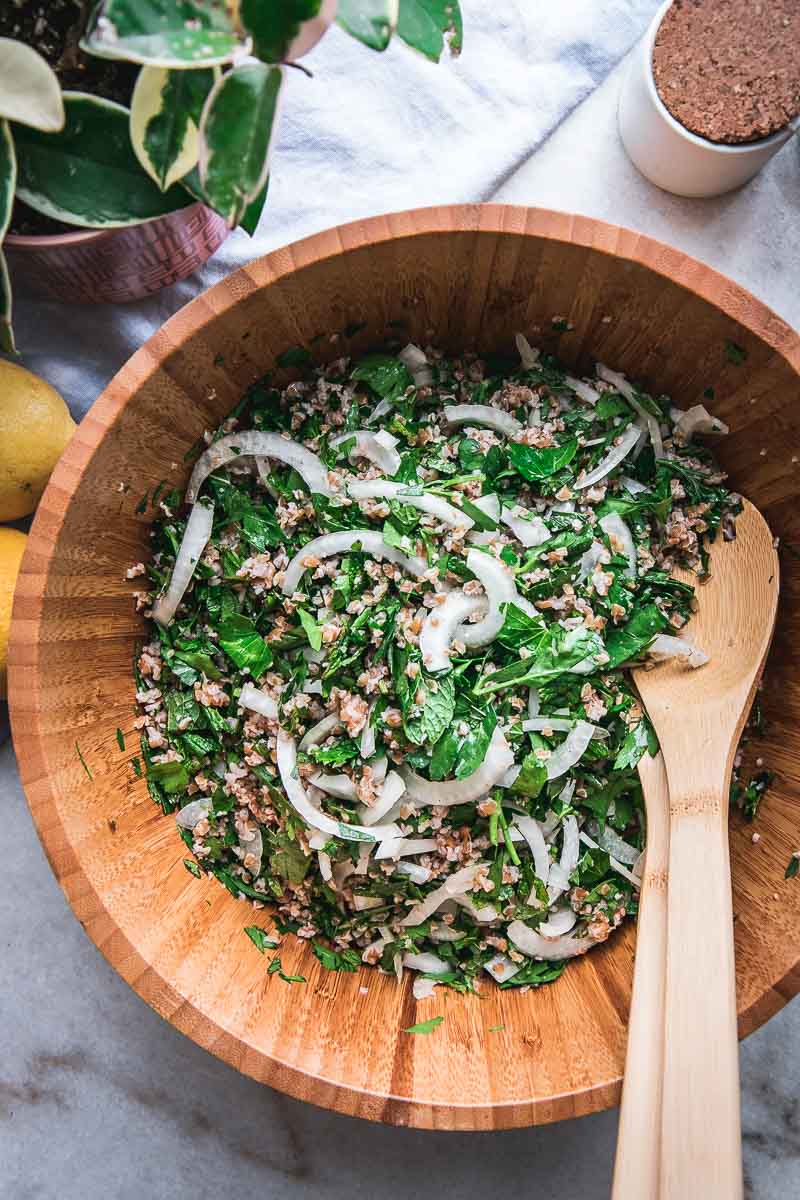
(385, 690)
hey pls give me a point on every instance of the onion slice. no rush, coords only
(528, 356)
(424, 792)
(298, 798)
(498, 583)
(431, 964)
(258, 701)
(610, 840)
(194, 541)
(617, 380)
(440, 628)
(614, 457)
(453, 886)
(558, 725)
(501, 968)
(329, 544)
(559, 922)
(697, 419)
(317, 733)
(309, 467)
(194, 811)
(526, 526)
(570, 751)
(531, 831)
(401, 847)
(435, 506)
(340, 786)
(414, 359)
(584, 391)
(485, 415)
(378, 448)
(619, 867)
(621, 540)
(393, 788)
(532, 943)
(664, 647)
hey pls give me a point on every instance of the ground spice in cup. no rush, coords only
(729, 70)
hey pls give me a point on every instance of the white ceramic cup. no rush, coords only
(667, 153)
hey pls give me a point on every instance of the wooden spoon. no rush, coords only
(698, 716)
(638, 1161)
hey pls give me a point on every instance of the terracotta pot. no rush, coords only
(97, 266)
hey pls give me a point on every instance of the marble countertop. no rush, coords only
(101, 1098)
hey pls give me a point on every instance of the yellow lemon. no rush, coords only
(12, 544)
(35, 426)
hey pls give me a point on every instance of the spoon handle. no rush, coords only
(636, 1169)
(701, 1133)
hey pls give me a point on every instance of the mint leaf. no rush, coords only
(242, 642)
(259, 938)
(425, 1026)
(313, 631)
(336, 960)
(533, 464)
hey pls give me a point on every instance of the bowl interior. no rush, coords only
(460, 277)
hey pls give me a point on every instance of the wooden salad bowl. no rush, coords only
(462, 277)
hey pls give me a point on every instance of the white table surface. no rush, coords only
(100, 1098)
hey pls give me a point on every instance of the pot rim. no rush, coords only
(52, 241)
(724, 148)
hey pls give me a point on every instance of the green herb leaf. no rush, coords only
(735, 353)
(242, 642)
(259, 938)
(387, 376)
(631, 639)
(482, 520)
(532, 777)
(84, 764)
(534, 465)
(635, 744)
(425, 1026)
(236, 132)
(121, 739)
(337, 960)
(792, 868)
(192, 867)
(313, 631)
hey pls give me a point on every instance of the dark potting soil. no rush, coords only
(729, 70)
(54, 28)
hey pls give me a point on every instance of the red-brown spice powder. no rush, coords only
(729, 70)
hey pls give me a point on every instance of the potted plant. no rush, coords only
(134, 136)
(703, 108)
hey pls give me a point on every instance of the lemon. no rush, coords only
(35, 426)
(12, 544)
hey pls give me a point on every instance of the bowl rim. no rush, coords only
(24, 646)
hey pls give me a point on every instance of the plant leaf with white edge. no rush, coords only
(370, 21)
(8, 179)
(252, 214)
(88, 173)
(164, 33)
(29, 89)
(286, 31)
(236, 133)
(422, 25)
(165, 115)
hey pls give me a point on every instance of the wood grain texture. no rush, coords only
(698, 716)
(461, 275)
(637, 1165)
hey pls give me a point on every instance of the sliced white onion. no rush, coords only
(528, 356)
(380, 766)
(194, 811)
(386, 489)
(414, 871)
(445, 933)
(485, 415)
(378, 448)
(499, 757)
(530, 942)
(340, 543)
(297, 797)
(501, 968)
(633, 485)
(531, 831)
(595, 554)
(698, 419)
(559, 922)
(381, 409)
(365, 903)
(610, 840)
(253, 845)
(431, 964)
(489, 504)
(317, 733)
(664, 646)
(526, 526)
(309, 466)
(422, 988)
(621, 540)
(325, 869)
(510, 776)
(340, 786)
(625, 389)
(534, 702)
(558, 725)
(193, 543)
(570, 847)
(402, 847)
(393, 788)
(614, 457)
(614, 862)
(258, 701)
(441, 625)
(414, 359)
(368, 743)
(498, 583)
(364, 851)
(584, 391)
(484, 914)
(571, 750)
(453, 886)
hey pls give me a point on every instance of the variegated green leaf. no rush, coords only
(164, 33)
(29, 90)
(422, 25)
(88, 173)
(252, 214)
(165, 115)
(236, 133)
(8, 178)
(286, 31)
(371, 21)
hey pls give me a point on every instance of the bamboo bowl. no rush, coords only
(465, 276)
